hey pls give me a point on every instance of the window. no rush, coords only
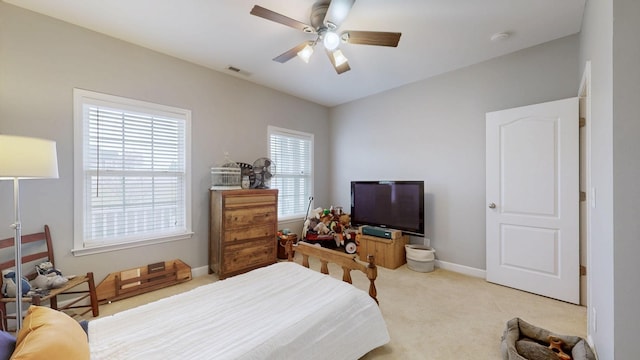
(132, 180)
(292, 153)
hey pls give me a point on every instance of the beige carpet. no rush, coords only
(437, 315)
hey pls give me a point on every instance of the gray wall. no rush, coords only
(626, 170)
(434, 130)
(42, 60)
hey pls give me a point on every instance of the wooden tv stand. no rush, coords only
(389, 253)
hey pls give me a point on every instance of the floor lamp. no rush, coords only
(24, 158)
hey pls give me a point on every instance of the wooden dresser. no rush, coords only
(242, 230)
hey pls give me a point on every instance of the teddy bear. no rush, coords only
(345, 221)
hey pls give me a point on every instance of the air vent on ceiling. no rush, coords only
(238, 71)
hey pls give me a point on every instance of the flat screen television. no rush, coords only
(395, 205)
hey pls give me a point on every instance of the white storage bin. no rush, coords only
(420, 258)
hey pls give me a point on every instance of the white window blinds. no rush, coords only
(134, 171)
(292, 153)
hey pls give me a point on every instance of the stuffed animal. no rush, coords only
(46, 268)
(312, 221)
(317, 213)
(9, 284)
(345, 221)
(50, 281)
(335, 226)
(48, 277)
(323, 226)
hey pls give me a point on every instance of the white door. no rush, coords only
(533, 199)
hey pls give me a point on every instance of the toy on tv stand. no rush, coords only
(330, 230)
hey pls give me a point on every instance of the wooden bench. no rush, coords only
(37, 248)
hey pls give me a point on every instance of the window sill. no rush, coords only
(291, 218)
(128, 245)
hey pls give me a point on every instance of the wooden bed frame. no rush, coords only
(346, 261)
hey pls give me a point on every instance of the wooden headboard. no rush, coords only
(346, 261)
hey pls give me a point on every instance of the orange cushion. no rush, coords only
(52, 335)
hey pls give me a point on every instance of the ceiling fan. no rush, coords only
(326, 18)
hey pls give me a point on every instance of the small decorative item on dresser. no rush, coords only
(227, 176)
(264, 169)
(248, 176)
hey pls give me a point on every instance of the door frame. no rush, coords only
(584, 94)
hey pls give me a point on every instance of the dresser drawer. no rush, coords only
(248, 254)
(253, 232)
(231, 202)
(253, 216)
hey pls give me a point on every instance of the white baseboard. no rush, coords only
(200, 271)
(466, 270)
(592, 344)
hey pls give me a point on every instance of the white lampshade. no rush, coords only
(27, 158)
(331, 40)
(305, 53)
(339, 58)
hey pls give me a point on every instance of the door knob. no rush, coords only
(492, 206)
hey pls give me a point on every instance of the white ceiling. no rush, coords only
(437, 36)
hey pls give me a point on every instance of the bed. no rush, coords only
(282, 311)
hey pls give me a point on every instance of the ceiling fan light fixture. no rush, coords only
(330, 25)
(305, 53)
(325, 19)
(331, 40)
(339, 58)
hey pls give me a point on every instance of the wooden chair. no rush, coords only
(37, 248)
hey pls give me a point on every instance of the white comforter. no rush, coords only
(283, 311)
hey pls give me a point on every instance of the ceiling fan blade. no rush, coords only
(281, 19)
(378, 38)
(340, 65)
(337, 12)
(291, 53)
